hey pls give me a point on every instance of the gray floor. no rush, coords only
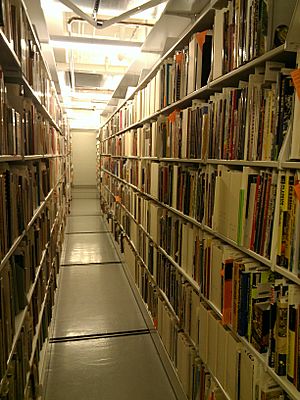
(102, 343)
(90, 223)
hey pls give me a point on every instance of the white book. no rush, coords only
(158, 93)
(222, 200)
(233, 204)
(203, 332)
(184, 246)
(232, 366)
(222, 338)
(212, 343)
(217, 204)
(154, 189)
(155, 213)
(139, 141)
(152, 95)
(248, 369)
(183, 361)
(166, 334)
(192, 64)
(215, 291)
(134, 234)
(195, 303)
(175, 186)
(217, 66)
(190, 250)
(184, 139)
(154, 148)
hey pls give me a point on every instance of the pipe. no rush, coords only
(101, 25)
(72, 19)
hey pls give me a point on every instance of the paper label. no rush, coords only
(200, 37)
(172, 117)
(296, 80)
(179, 58)
(297, 190)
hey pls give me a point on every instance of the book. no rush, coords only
(281, 333)
(248, 372)
(233, 360)
(203, 331)
(218, 41)
(295, 143)
(212, 357)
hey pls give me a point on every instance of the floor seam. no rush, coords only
(84, 215)
(92, 336)
(91, 263)
(84, 232)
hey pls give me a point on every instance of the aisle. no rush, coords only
(102, 344)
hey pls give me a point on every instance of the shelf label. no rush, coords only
(296, 80)
(200, 37)
(179, 58)
(172, 117)
(297, 190)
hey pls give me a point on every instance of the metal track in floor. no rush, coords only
(99, 335)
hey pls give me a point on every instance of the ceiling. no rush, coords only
(95, 67)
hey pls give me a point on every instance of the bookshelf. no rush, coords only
(199, 183)
(35, 179)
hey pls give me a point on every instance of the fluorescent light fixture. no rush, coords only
(91, 96)
(95, 41)
(112, 49)
(88, 106)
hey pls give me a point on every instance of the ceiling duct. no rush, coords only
(104, 24)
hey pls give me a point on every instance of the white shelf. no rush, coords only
(232, 78)
(282, 381)
(251, 253)
(258, 163)
(291, 165)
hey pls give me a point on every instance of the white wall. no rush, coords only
(84, 157)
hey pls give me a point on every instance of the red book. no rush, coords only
(227, 270)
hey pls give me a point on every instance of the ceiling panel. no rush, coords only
(84, 3)
(121, 5)
(88, 80)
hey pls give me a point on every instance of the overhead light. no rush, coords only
(113, 50)
(75, 41)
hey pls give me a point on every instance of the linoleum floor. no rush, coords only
(102, 343)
